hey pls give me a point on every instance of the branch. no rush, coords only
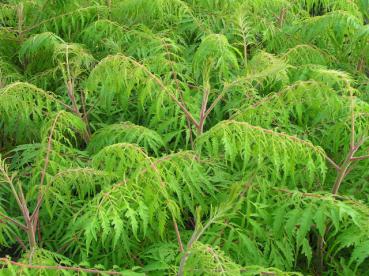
(342, 172)
(204, 104)
(21, 204)
(214, 103)
(181, 249)
(334, 164)
(21, 243)
(360, 158)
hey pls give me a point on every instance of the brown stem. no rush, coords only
(204, 104)
(39, 237)
(22, 204)
(334, 164)
(214, 103)
(21, 243)
(180, 244)
(343, 169)
(31, 230)
(360, 158)
(320, 255)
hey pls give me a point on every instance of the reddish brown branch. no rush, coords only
(204, 104)
(214, 103)
(22, 204)
(21, 243)
(360, 158)
(180, 244)
(342, 172)
(334, 164)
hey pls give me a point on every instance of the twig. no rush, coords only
(360, 158)
(214, 103)
(334, 164)
(343, 169)
(204, 104)
(21, 243)
(22, 204)
(178, 236)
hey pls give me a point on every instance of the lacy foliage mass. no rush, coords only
(187, 137)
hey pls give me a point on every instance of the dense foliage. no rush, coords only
(189, 137)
